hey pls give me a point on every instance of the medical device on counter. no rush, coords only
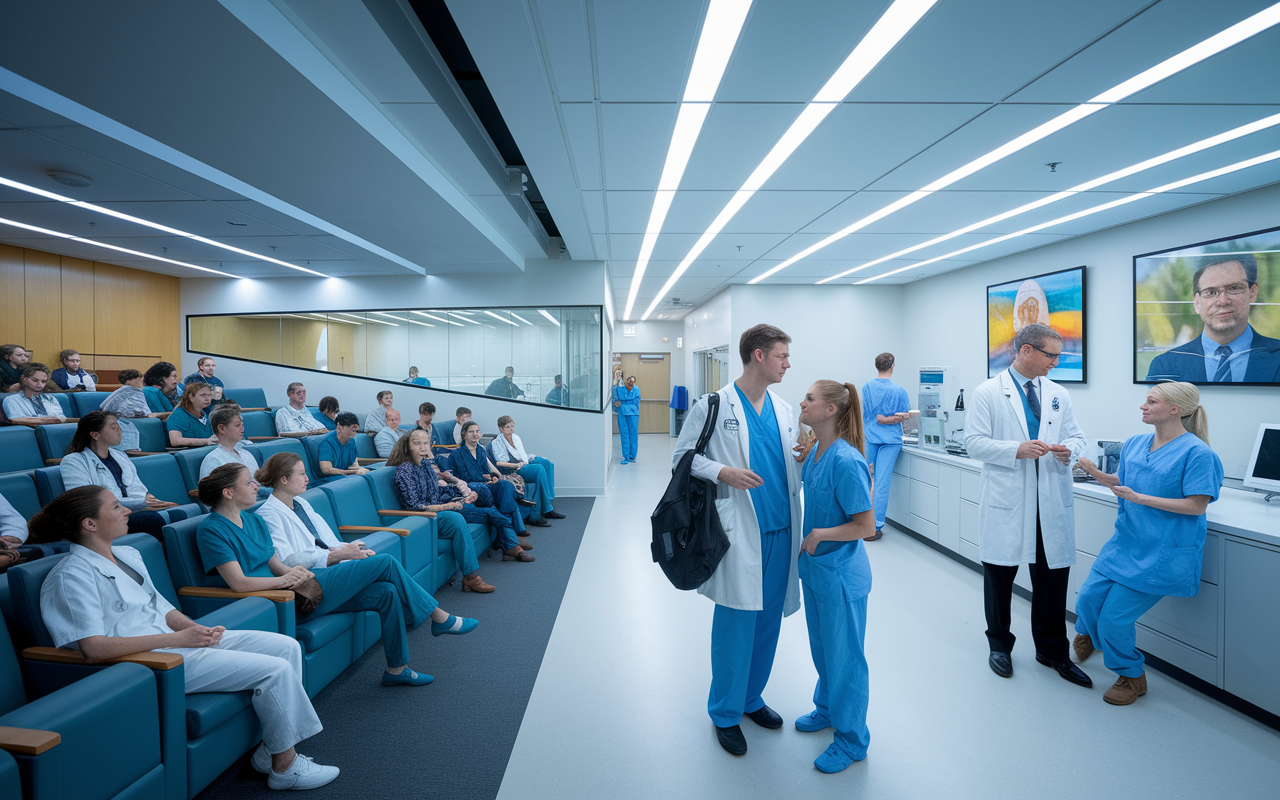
(1108, 460)
(1263, 474)
(911, 428)
(941, 410)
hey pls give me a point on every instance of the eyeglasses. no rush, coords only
(1052, 356)
(1234, 290)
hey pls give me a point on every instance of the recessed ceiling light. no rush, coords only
(126, 250)
(70, 179)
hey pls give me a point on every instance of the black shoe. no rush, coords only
(765, 717)
(542, 523)
(732, 740)
(553, 515)
(1069, 672)
(1001, 664)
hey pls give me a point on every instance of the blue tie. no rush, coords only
(1033, 399)
(1224, 365)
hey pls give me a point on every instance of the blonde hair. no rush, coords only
(844, 396)
(1187, 398)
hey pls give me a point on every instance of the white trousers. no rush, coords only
(268, 664)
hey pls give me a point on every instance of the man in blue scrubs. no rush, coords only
(885, 406)
(748, 457)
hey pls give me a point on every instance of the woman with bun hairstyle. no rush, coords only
(1165, 482)
(834, 571)
(80, 601)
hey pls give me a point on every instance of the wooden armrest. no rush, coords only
(364, 462)
(446, 446)
(52, 462)
(154, 659)
(369, 529)
(27, 741)
(395, 512)
(194, 494)
(262, 408)
(262, 438)
(140, 453)
(72, 419)
(274, 595)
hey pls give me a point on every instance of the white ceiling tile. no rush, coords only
(782, 211)
(1246, 73)
(943, 212)
(644, 49)
(593, 207)
(628, 212)
(636, 138)
(427, 125)
(735, 138)
(601, 243)
(564, 27)
(850, 211)
(584, 143)
(1139, 209)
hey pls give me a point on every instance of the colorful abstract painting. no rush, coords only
(1056, 300)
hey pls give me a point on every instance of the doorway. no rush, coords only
(653, 379)
(711, 371)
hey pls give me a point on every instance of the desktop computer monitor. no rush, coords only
(1263, 473)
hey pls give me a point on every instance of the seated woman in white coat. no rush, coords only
(29, 405)
(79, 602)
(1165, 481)
(510, 456)
(93, 460)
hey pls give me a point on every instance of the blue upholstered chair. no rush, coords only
(64, 400)
(259, 425)
(162, 475)
(19, 451)
(84, 402)
(151, 434)
(444, 433)
(265, 450)
(53, 440)
(246, 398)
(200, 734)
(324, 419)
(353, 505)
(189, 462)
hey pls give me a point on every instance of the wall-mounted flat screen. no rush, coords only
(1055, 299)
(1209, 313)
(1264, 465)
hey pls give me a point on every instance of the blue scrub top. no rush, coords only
(1154, 551)
(772, 500)
(188, 426)
(836, 486)
(156, 400)
(630, 401)
(883, 396)
(221, 541)
(340, 455)
(468, 468)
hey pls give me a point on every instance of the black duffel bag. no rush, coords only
(688, 541)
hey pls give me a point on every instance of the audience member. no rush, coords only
(414, 379)
(295, 420)
(13, 359)
(505, 386)
(70, 377)
(161, 387)
(377, 418)
(460, 417)
(386, 438)
(100, 600)
(228, 431)
(30, 406)
(328, 411)
(338, 448)
(92, 460)
(427, 415)
(204, 374)
(129, 401)
(188, 425)
(241, 547)
(559, 394)
(509, 454)
(471, 463)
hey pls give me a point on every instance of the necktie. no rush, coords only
(1033, 399)
(1224, 364)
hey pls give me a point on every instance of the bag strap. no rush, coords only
(713, 413)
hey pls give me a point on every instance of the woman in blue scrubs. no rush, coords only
(626, 401)
(834, 569)
(1165, 481)
(885, 406)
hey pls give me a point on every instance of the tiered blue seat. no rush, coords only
(54, 440)
(324, 419)
(352, 501)
(246, 398)
(151, 434)
(19, 450)
(64, 400)
(265, 450)
(84, 402)
(259, 424)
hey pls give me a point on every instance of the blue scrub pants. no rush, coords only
(837, 632)
(629, 429)
(452, 525)
(883, 457)
(377, 583)
(501, 498)
(1107, 612)
(541, 473)
(743, 642)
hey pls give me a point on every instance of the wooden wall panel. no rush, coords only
(42, 274)
(342, 347)
(136, 313)
(13, 312)
(77, 308)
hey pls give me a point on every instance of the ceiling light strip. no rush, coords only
(369, 319)
(883, 36)
(71, 238)
(720, 31)
(439, 319)
(544, 313)
(502, 319)
(1170, 66)
(1172, 155)
(522, 319)
(1168, 187)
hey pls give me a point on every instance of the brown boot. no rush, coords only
(516, 554)
(524, 543)
(474, 583)
(1126, 690)
(1083, 646)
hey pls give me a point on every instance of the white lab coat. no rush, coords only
(86, 595)
(1010, 491)
(11, 522)
(86, 469)
(220, 456)
(738, 580)
(294, 543)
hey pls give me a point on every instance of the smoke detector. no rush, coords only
(69, 179)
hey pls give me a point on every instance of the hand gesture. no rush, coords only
(1061, 452)
(360, 471)
(295, 576)
(1124, 492)
(200, 636)
(1032, 449)
(740, 478)
(470, 497)
(212, 440)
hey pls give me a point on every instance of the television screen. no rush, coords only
(1210, 312)
(1055, 299)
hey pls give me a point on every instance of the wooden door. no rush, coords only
(653, 379)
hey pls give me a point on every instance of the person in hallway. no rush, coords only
(834, 570)
(509, 454)
(626, 401)
(885, 406)
(1023, 430)
(415, 379)
(31, 406)
(237, 545)
(70, 377)
(387, 436)
(1165, 482)
(295, 420)
(376, 419)
(505, 386)
(559, 394)
(204, 374)
(162, 389)
(100, 600)
(188, 425)
(13, 360)
(756, 583)
(471, 463)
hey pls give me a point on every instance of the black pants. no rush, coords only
(1048, 604)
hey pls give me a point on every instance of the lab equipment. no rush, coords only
(941, 410)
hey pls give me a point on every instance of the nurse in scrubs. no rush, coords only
(1165, 482)
(626, 401)
(834, 569)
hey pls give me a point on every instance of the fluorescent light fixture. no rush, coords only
(438, 319)
(403, 319)
(154, 225)
(1170, 66)
(522, 319)
(323, 318)
(1168, 187)
(459, 315)
(501, 319)
(544, 313)
(720, 30)
(884, 35)
(369, 319)
(1172, 155)
(125, 250)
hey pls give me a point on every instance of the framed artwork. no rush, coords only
(1055, 299)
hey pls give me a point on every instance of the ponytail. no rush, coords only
(212, 485)
(1187, 398)
(62, 517)
(844, 396)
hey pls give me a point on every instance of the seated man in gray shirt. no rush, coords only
(386, 437)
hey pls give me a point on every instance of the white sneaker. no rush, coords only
(261, 760)
(303, 773)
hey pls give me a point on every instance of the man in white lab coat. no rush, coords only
(757, 497)
(1021, 426)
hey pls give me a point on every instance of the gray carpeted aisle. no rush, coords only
(452, 738)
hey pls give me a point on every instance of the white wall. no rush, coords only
(648, 339)
(707, 327)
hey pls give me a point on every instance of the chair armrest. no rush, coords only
(262, 408)
(274, 595)
(194, 494)
(72, 419)
(365, 461)
(52, 462)
(153, 659)
(395, 512)
(140, 453)
(262, 438)
(27, 741)
(369, 529)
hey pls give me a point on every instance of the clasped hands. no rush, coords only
(1036, 448)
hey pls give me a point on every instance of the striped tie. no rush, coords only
(1224, 364)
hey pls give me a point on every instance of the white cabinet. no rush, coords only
(949, 508)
